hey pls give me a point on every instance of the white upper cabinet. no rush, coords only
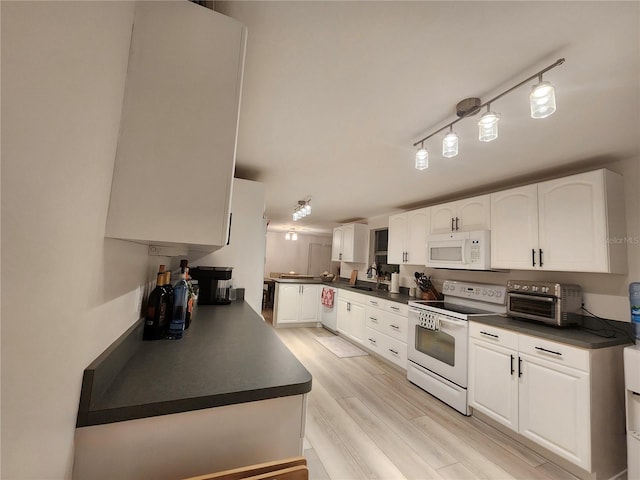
(462, 215)
(176, 151)
(350, 243)
(574, 224)
(514, 227)
(408, 237)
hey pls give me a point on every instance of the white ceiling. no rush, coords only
(336, 93)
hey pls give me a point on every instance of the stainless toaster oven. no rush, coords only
(553, 303)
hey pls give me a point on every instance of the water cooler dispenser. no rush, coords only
(632, 402)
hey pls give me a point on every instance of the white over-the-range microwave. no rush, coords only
(460, 250)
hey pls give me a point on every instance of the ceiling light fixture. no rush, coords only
(302, 210)
(291, 235)
(542, 101)
(422, 158)
(450, 144)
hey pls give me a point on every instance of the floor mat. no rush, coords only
(340, 347)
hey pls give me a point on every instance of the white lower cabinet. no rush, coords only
(560, 397)
(386, 330)
(296, 303)
(351, 315)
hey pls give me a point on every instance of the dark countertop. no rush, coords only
(394, 297)
(229, 355)
(592, 333)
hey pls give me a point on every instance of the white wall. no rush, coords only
(291, 256)
(605, 295)
(246, 250)
(67, 292)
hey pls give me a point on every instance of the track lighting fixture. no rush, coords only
(302, 210)
(542, 101)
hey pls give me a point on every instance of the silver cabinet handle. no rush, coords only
(395, 326)
(393, 351)
(394, 308)
(373, 302)
(533, 257)
(452, 224)
(373, 319)
(457, 227)
(372, 341)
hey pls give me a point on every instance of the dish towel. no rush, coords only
(327, 297)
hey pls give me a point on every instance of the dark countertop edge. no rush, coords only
(136, 412)
(561, 335)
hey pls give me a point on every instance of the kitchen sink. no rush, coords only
(362, 287)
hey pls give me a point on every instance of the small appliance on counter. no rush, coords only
(548, 302)
(214, 284)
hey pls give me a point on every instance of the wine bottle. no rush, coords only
(189, 314)
(169, 290)
(155, 322)
(180, 297)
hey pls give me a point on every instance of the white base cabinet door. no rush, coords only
(296, 304)
(493, 385)
(554, 409)
(351, 315)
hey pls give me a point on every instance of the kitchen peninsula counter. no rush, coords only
(228, 356)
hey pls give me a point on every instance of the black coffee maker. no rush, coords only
(214, 284)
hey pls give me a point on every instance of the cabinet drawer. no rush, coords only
(396, 326)
(375, 318)
(399, 308)
(376, 302)
(497, 336)
(393, 350)
(352, 296)
(554, 352)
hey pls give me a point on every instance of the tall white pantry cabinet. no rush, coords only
(175, 160)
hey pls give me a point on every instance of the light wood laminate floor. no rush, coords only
(366, 421)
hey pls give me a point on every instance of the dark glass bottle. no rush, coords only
(180, 298)
(169, 289)
(189, 314)
(156, 317)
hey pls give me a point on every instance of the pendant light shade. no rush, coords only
(287, 236)
(488, 126)
(422, 159)
(294, 236)
(450, 145)
(543, 100)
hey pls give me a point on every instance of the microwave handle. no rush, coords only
(545, 299)
(465, 243)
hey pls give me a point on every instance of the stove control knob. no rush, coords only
(534, 288)
(452, 287)
(516, 286)
(492, 293)
(525, 287)
(484, 291)
(545, 289)
(498, 293)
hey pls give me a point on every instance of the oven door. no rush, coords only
(442, 350)
(533, 307)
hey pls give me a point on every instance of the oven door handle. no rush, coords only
(537, 297)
